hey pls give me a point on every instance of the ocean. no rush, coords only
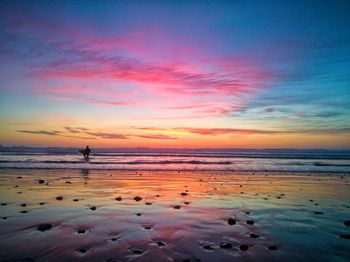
(289, 160)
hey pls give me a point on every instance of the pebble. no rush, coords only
(24, 211)
(59, 198)
(272, 247)
(93, 208)
(345, 236)
(138, 214)
(82, 250)
(243, 247)
(184, 194)
(252, 235)
(137, 251)
(137, 198)
(148, 203)
(231, 221)
(44, 227)
(118, 198)
(347, 223)
(225, 245)
(318, 213)
(3, 204)
(41, 181)
(177, 207)
(160, 243)
(81, 231)
(250, 222)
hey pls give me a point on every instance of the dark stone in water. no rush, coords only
(347, 223)
(208, 247)
(138, 214)
(272, 247)
(44, 227)
(148, 227)
(81, 231)
(252, 235)
(225, 245)
(177, 207)
(345, 236)
(23, 205)
(82, 250)
(231, 221)
(118, 198)
(41, 181)
(318, 213)
(24, 211)
(114, 239)
(148, 203)
(19, 177)
(250, 222)
(59, 198)
(160, 243)
(75, 200)
(93, 208)
(243, 247)
(184, 194)
(4, 218)
(137, 198)
(42, 203)
(137, 251)
(3, 204)
(186, 203)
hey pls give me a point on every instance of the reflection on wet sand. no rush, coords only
(62, 215)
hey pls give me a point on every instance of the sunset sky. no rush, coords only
(239, 74)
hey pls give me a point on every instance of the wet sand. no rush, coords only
(91, 215)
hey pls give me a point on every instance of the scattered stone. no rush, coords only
(347, 223)
(118, 198)
(177, 207)
(231, 221)
(19, 177)
(184, 194)
(19, 192)
(24, 211)
(157, 195)
(186, 203)
(114, 239)
(272, 247)
(147, 227)
(59, 198)
(42, 203)
(138, 214)
(82, 250)
(252, 235)
(4, 204)
(225, 245)
(137, 198)
(345, 236)
(137, 251)
(93, 208)
(247, 212)
(4, 218)
(318, 213)
(207, 247)
(160, 243)
(81, 231)
(44, 227)
(250, 222)
(41, 181)
(243, 247)
(68, 182)
(75, 200)
(23, 205)
(148, 203)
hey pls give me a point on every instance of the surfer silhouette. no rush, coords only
(86, 152)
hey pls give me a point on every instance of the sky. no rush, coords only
(183, 74)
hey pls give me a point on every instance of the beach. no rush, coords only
(173, 215)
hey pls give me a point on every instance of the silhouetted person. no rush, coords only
(87, 152)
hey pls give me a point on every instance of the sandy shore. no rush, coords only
(81, 215)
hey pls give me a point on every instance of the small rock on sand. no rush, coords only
(318, 213)
(93, 208)
(137, 198)
(4, 204)
(148, 203)
(272, 247)
(82, 250)
(44, 227)
(23, 205)
(243, 247)
(138, 214)
(177, 207)
(137, 251)
(24, 211)
(118, 198)
(231, 221)
(41, 181)
(59, 198)
(225, 245)
(184, 194)
(252, 235)
(160, 243)
(250, 222)
(81, 231)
